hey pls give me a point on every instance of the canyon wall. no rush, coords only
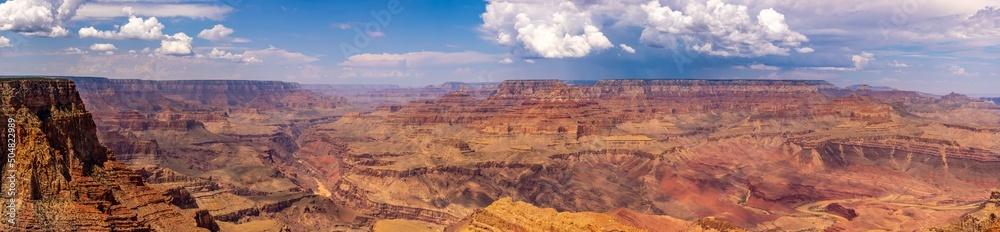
(63, 178)
(740, 153)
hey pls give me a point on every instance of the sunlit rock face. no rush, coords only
(750, 153)
(64, 179)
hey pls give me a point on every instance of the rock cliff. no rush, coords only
(63, 178)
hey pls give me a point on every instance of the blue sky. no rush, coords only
(934, 46)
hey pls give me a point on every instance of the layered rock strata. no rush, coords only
(63, 178)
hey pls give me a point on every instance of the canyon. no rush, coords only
(520, 155)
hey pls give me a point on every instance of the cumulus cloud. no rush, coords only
(5, 42)
(224, 55)
(573, 28)
(176, 45)
(960, 71)
(626, 48)
(548, 29)
(529, 61)
(720, 29)
(505, 61)
(108, 49)
(99, 47)
(985, 23)
(861, 60)
(975, 27)
(73, 51)
(417, 59)
(136, 28)
(38, 17)
(220, 34)
(897, 64)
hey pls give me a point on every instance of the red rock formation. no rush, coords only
(836, 208)
(749, 151)
(63, 178)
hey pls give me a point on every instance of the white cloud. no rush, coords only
(103, 47)
(5, 42)
(897, 64)
(177, 45)
(505, 61)
(163, 9)
(242, 58)
(572, 28)
(220, 34)
(985, 23)
(626, 48)
(529, 61)
(136, 28)
(73, 51)
(720, 29)
(251, 60)
(37, 17)
(417, 59)
(548, 29)
(861, 60)
(960, 71)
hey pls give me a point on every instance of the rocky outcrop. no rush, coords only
(354, 197)
(63, 178)
(553, 107)
(838, 209)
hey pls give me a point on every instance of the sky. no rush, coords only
(934, 46)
